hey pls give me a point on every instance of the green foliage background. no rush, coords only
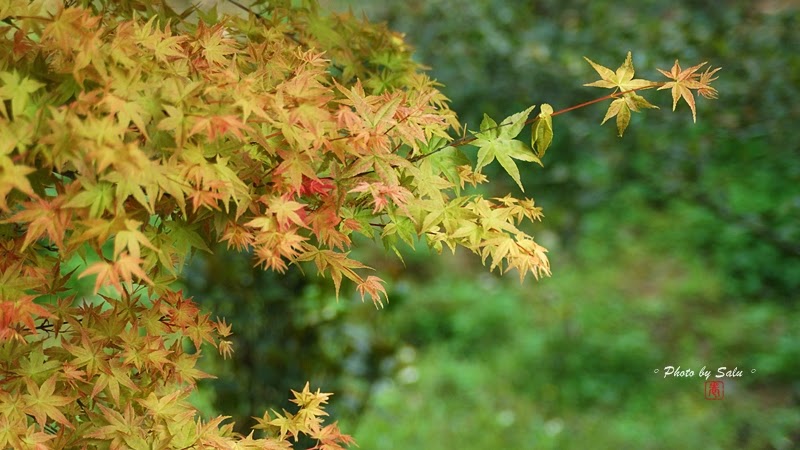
(676, 245)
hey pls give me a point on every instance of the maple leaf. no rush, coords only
(175, 122)
(200, 330)
(286, 211)
(13, 176)
(684, 80)
(531, 257)
(262, 423)
(156, 355)
(164, 45)
(622, 111)
(25, 310)
(308, 399)
(183, 313)
(41, 402)
(43, 217)
(35, 367)
(272, 247)
(112, 377)
(67, 25)
(622, 79)
(497, 142)
(337, 263)
(35, 439)
(237, 237)
(131, 238)
(123, 430)
(331, 438)
(373, 286)
(171, 406)
(223, 328)
(99, 198)
(286, 423)
(186, 370)
(125, 267)
(225, 348)
(128, 112)
(311, 409)
(467, 175)
(542, 130)
(706, 78)
(382, 193)
(89, 354)
(630, 102)
(323, 223)
(206, 198)
(18, 90)
(216, 48)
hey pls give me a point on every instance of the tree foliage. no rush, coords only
(134, 135)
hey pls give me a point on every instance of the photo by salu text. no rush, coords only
(722, 372)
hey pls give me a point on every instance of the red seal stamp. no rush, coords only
(715, 390)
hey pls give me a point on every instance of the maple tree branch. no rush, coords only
(464, 140)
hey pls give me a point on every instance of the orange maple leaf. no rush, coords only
(687, 79)
(125, 267)
(374, 287)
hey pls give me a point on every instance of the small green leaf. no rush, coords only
(542, 130)
(501, 144)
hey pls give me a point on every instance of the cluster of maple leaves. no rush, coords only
(132, 135)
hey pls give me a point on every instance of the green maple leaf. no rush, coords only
(497, 142)
(13, 176)
(542, 130)
(35, 367)
(99, 198)
(17, 89)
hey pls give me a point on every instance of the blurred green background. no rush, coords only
(677, 245)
